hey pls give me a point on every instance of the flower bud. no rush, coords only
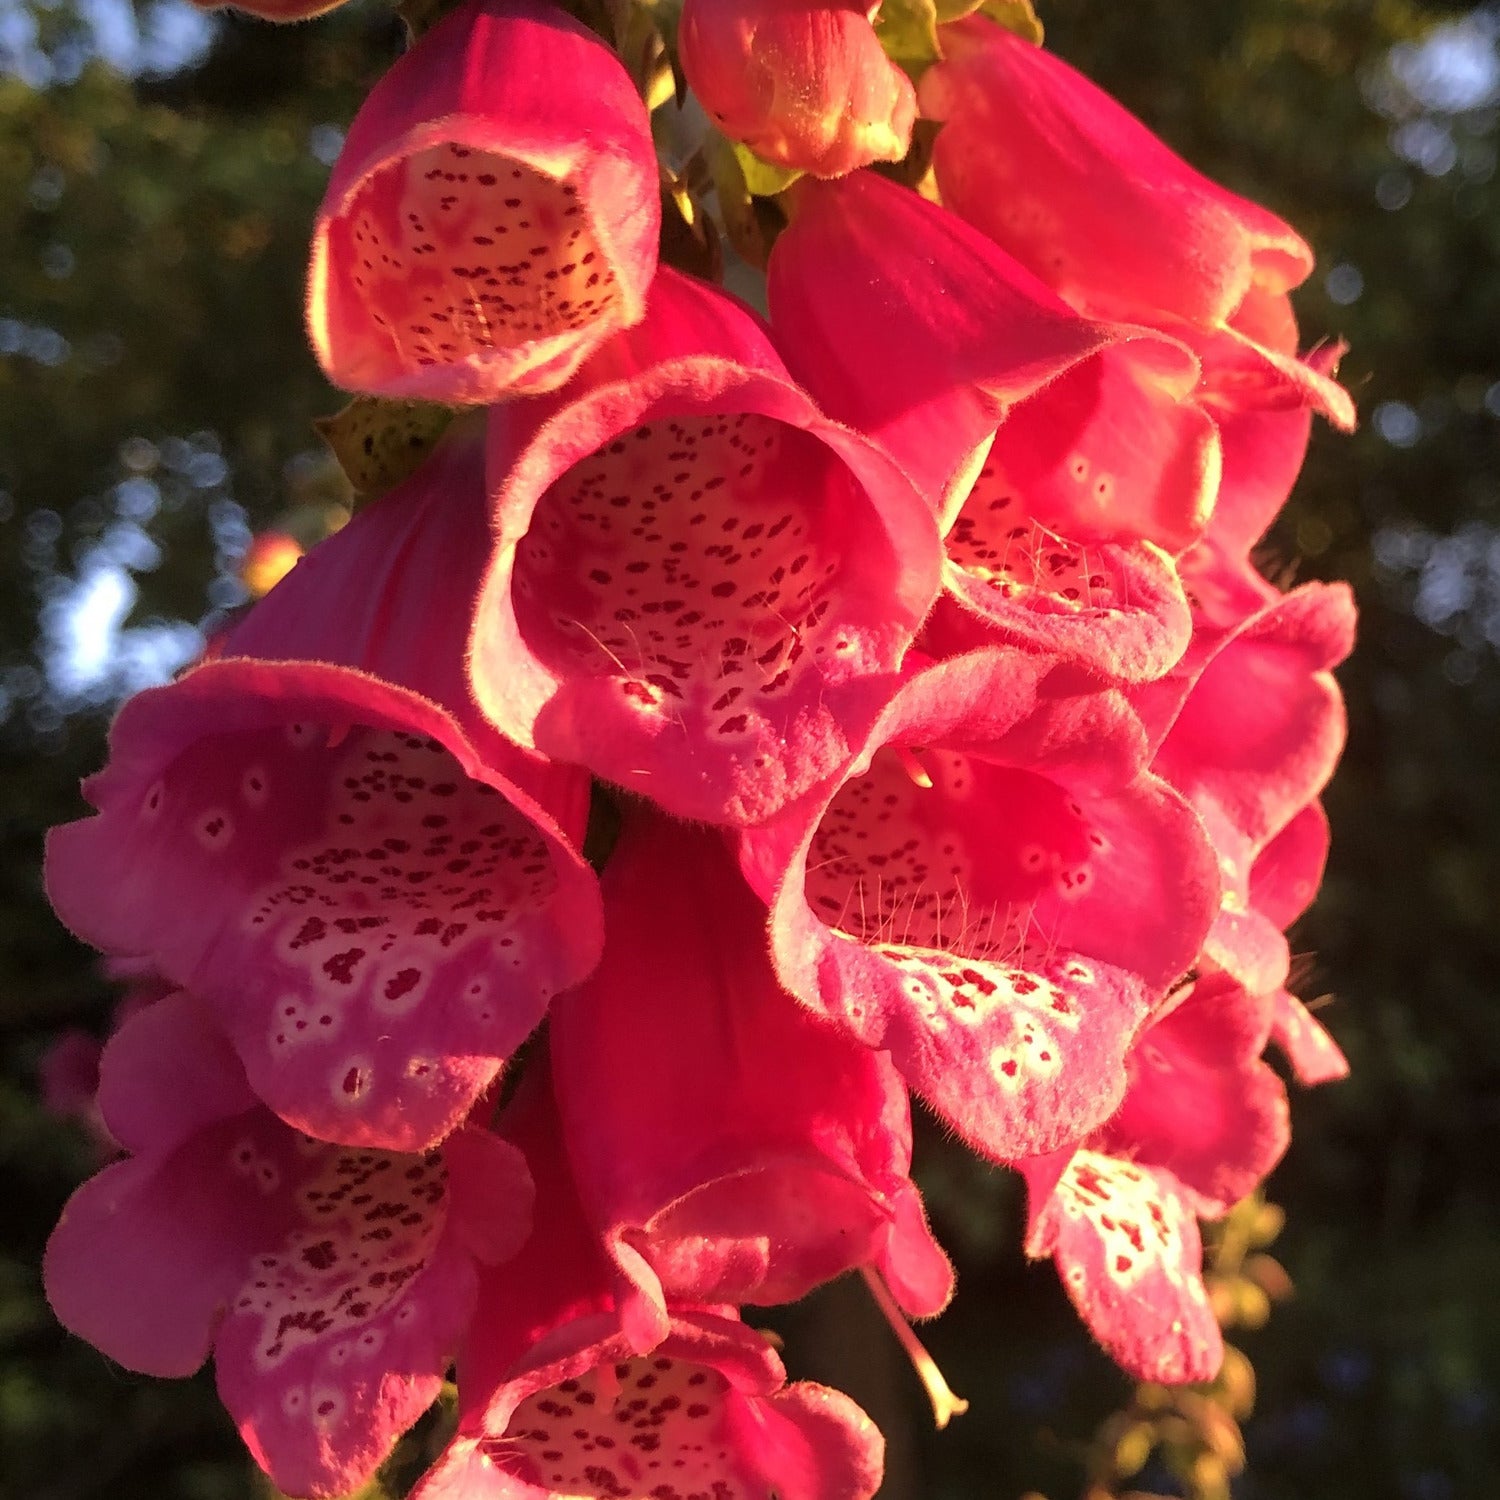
(803, 85)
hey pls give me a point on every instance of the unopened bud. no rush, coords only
(1132, 1449)
(1270, 1276)
(1237, 1382)
(1252, 1307)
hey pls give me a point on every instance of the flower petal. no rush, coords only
(344, 868)
(1129, 1253)
(770, 1153)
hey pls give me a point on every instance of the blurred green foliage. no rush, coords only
(155, 406)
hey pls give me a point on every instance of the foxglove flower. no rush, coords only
(912, 326)
(1078, 190)
(1204, 1120)
(331, 1283)
(318, 834)
(770, 1153)
(556, 1403)
(1259, 733)
(701, 587)
(1060, 453)
(493, 215)
(995, 893)
(804, 85)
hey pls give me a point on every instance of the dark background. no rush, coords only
(157, 182)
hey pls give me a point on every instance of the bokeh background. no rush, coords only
(158, 174)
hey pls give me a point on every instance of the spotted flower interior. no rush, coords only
(375, 927)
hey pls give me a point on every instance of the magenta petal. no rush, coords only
(343, 867)
(1201, 1104)
(135, 1226)
(483, 229)
(340, 1341)
(168, 1072)
(1116, 612)
(714, 1417)
(1129, 1253)
(1076, 188)
(1287, 872)
(700, 586)
(332, 1283)
(68, 1074)
(1263, 453)
(1263, 726)
(971, 901)
(909, 325)
(1115, 449)
(1314, 1055)
(769, 1153)
(549, 1383)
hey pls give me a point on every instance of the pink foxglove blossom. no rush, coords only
(1203, 1122)
(909, 324)
(1257, 738)
(1059, 453)
(996, 892)
(331, 1283)
(1076, 188)
(701, 587)
(492, 216)
(771, 1153)
(804, 85)
(555, 1402)
(318, 834)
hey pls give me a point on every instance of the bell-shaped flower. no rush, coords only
(995, 892)
(804, 85)
(771, 1152)
(700, 586)
(907, 323)
(555, 1403)
(318, 834)
(1076, 188)
(1060, 454)
(1259, 732)
(331, 1283)
(1202, 1124)
(493, 214)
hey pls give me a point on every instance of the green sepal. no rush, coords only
(908, 30)
(763, 178)
(379, 442)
